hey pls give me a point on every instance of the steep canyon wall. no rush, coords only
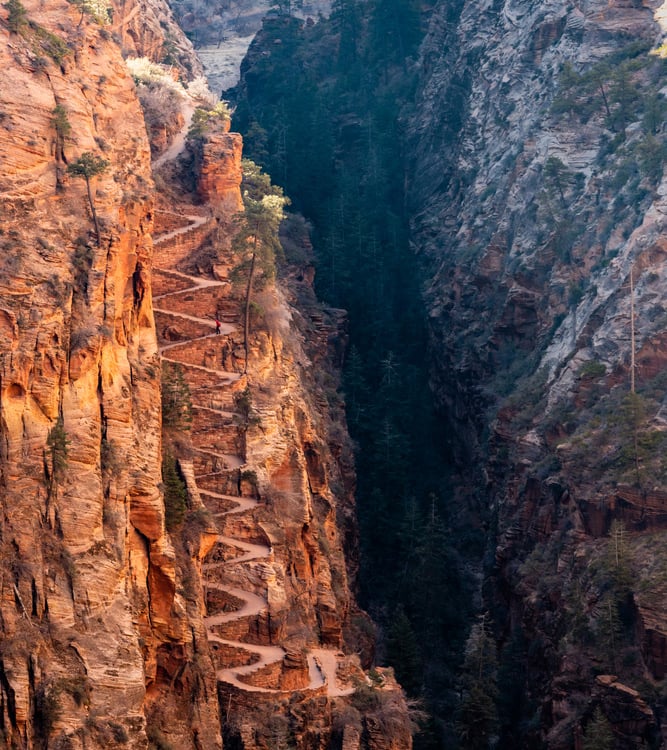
(122, 590)
(538, 212)
(89, 579)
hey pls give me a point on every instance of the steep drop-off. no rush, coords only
(546, 314)
(173, 547)
(520, 152)
(89, 592)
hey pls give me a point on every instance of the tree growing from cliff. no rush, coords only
(98, 9)
(88, 165)
(257, 234)
(57, 444)
(284, 7)
(175, 493)
(403, 652)
(202, 118)
(176, 400)
(62, 126)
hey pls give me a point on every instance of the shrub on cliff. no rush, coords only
(599, 734)
(18, 16)
(175, 494)
(88, 165)
(161, 96)
(203, 119)
(176, 401)
(99, 10)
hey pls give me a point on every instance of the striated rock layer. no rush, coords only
(538, 165)
(144, 586)
(146, 28)
(271, 462)
(95, 625)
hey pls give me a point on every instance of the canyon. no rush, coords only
(175, 497)
(517, 150)
(470, 278)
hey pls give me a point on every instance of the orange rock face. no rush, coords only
(89, 594)
(219, 169)
(146, 28)
(106, 636)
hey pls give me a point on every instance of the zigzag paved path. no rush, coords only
(322, 663)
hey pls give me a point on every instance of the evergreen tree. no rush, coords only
(477, 716)
(403, 652)
(599, 734)
(18, 16)
(88, 165)
(62, 127)
(609, 630)
(176, 400)
(57, 443)
(257, 234)
(324, 111)
(175, 493)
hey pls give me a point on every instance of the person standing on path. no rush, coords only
(217, 324)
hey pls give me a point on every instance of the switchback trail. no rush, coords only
(200, 351)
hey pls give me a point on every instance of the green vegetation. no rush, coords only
(41, 40)
(88, 165)
(18, 16)
(49, 43)
(616, 89)
(256, 239)
(62, 126)
(599, 735)
(246, 415)
(202, 119)
(322, 115)
(614, 439)
(477, 717)
(176, 400)
(175, 493)
(82, 262)
(57, 443)
(46, 710)
(99, 10)
(592, 369)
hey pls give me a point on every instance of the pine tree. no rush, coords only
(403, 652)
(88, 165)
(18, 16)
(477, 716)
(257, 234)
(57, 443)
(175, 493)
(176, 400)
(599, 734)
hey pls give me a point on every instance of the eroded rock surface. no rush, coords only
(546, 311)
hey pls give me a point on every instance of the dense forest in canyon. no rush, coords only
(333, 415)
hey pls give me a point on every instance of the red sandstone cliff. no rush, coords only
(94, 622)
(111, 635)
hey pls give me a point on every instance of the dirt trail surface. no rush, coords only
(214, 466)
(178, 144)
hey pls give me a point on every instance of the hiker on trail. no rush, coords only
(217, 324)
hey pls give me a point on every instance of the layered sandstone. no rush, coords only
(273, 468)
(95, 622)
(111, 636)
(146, 28)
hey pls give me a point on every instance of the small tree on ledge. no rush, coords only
(264, 205)
(88, 165)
